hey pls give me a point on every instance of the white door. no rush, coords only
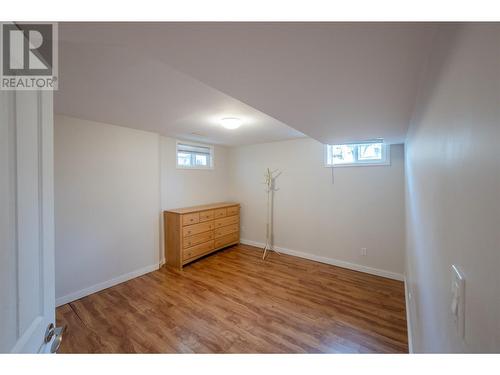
(27, 301)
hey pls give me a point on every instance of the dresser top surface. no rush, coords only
(204, 207)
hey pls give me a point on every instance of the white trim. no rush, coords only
(160, 205)
(386, 160)
(196, 167)
(332, 261)
(105, 284)
(408, 319)
(385, 164)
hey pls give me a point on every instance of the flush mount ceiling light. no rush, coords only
(231, 122)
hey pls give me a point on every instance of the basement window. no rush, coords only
(357, 154)
(194, 155)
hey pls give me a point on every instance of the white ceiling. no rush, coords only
(121, 86)
(335, 82)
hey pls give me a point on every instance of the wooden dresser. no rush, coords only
(193, 232)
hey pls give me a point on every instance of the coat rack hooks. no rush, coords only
(270, 182)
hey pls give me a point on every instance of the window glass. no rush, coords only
(374, 153)
(370, 151)
(201, 159)
(192, 155)
(183, 158)
(343, 154)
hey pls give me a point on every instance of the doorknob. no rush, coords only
(57, 334)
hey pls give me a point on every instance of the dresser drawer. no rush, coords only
(220, 212)
(196, 250)
(224, 240)
(235, 210)
(189, 219)
(191, 230)
(206, 215)
(226, 221)
(197, 238)
(222, 231)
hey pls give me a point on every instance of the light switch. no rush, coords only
(458, 300)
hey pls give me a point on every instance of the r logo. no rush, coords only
(27, 49)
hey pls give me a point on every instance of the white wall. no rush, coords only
(107, 205)
(363, 208)
(112, 184)
(453, 191)
(189, 187)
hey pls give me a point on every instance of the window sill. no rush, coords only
(195, 168)
(383, 164)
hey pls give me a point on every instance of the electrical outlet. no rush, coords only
(364, 251)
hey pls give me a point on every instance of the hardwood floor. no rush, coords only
(233, 302)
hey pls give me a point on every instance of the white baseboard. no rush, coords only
(333, 262)
(408, 319)
(104, 285)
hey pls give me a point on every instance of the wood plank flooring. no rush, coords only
(233, 302)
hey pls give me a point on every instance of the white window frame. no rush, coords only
(386, 156)
(212, 155)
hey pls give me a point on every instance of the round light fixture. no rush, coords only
(231, 122)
